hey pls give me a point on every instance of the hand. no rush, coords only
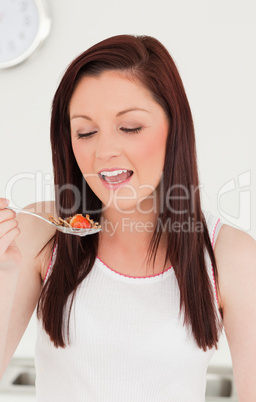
(9, 230)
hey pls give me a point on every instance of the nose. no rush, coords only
(107, 145)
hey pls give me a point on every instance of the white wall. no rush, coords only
(213, 43)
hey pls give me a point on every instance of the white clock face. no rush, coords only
(20, 23)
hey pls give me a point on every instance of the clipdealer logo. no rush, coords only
(43, 188)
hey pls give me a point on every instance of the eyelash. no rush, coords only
(131, 130)
(126, 130)
(86, 135)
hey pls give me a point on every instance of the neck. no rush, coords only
(125, 239)
(130, 228)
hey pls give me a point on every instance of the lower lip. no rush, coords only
(115, 186)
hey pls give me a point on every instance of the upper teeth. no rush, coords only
(113, 172)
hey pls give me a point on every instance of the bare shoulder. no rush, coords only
(233, 244)
(35, 233)
(235, 253)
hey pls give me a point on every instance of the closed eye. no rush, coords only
(131, 130)
(86, 135)
(126, 130)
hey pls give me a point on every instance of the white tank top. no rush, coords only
(128, 343)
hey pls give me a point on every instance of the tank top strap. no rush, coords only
(52, 261)
(213, 224)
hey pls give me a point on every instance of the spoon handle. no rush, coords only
(29, 213)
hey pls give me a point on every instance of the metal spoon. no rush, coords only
(63, 229)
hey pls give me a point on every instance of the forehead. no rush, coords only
(110, 86)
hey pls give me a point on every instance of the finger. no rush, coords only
(3, 203)
(6, 226)
(6, 214)
(8, 239)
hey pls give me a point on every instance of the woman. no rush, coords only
(135, 312)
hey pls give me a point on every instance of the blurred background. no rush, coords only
(213, 43)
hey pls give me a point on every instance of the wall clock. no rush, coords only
(24, 25)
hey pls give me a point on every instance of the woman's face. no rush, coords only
(118, 135)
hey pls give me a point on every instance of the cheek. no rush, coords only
(149, 162)
(152, 151)
(82, 156)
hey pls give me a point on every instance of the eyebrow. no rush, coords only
(134, 109)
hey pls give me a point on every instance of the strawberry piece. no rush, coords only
(79, 221)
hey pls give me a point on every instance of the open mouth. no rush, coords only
(115, 176)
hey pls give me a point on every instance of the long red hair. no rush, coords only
(147, 60)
